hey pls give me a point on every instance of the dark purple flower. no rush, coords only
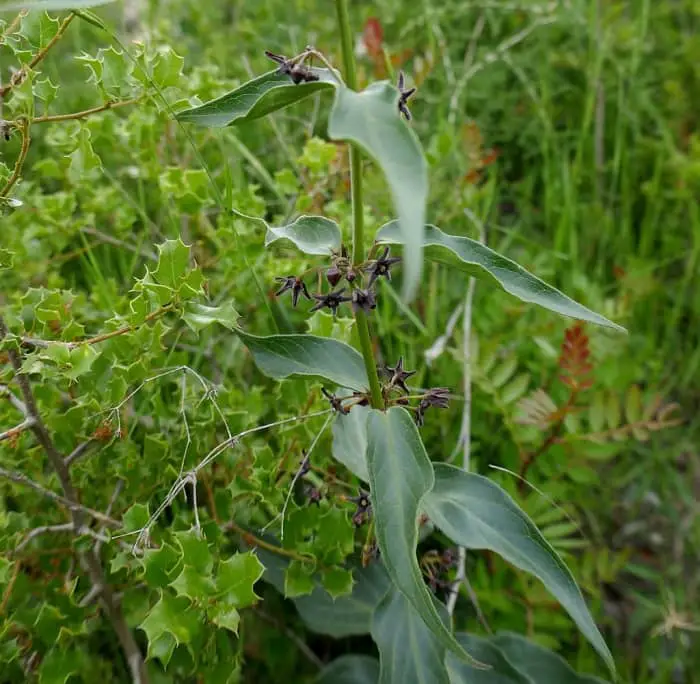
(296, 285)
(380, 267)
(404, 94)
(398, 375)
(332, 300)
(364, 299)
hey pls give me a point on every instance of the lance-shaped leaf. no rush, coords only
(350, 669)
(400, 476)
(51, 5)
(282, 356)
(409, 652)
(482, 262)
(370, 119)
(477, 514)
(257, 98)
(311, 234)
(501, 670)
(538, 663)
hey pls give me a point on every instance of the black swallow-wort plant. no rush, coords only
(404, 494)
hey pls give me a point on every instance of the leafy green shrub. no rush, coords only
(130, 403)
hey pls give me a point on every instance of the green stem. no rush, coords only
(358, 237)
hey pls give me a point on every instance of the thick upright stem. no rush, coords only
(358, 233)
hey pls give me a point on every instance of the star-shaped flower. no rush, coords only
(296, 285)
(380, 267)
(404, 94)
(332, 300)
(398, 375)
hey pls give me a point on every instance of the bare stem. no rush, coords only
(23, 126)
(74, 116)
(358, 239)
(90, 560)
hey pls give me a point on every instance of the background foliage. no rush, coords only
(564, 132)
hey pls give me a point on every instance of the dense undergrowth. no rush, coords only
(564, 135)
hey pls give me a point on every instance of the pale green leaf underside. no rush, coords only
(477, 514)
(48, 5)
(409, 652)
(282, 356)
(371, 120)
(400, 476)
(482, 262)
(311, 234)
(350, 441)
(501, 671)
(257, 98)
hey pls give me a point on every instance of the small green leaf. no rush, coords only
(350, 441)
(311, 234)
(370, 119)
(225, 616)
(350, 669)
(409, 652)
(135, 518)
(257, 98)
(50, 5)
(6, 258)
(400, 476)
(159, 565)
(236, 578)
(298, 579)
(538, 663)
(83, 159)
(59, 665)
(173, 263)
(195, 551)
(481, 262)
(346, 615)
(172, 616)
(337, 581)
(162, 648)
(477, 514)
(282, 356)
(200, 316)
(193, 584)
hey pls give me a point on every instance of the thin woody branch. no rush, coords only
(76, 116)
(23, 126)
(26, 424)
(90, 560)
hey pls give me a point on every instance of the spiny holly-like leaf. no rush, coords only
(482, 262)
(350, 441)
(172, 616)
(298, 579)
(370, 119)
(350, 669)
(173, 262)
(59, 665)
(350, 614)
(160, 565)
(311, 234)
(50, 5)
(257, 98)
(236, 578)
(337, 581)
(193, 584)
(6, 258)
(537, 663)
(409, 652)
(195, 551)
(199, 316)
(282, 356)
(400, 476)
(477, 514)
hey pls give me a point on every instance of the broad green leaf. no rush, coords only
(346, 615)
(193, 584)
(538, 663)
(400, 476)
(350, 441)
(311, 234)
(50, 5)
(477, 514)
(370, 119)
(350, 669)
(200, 316)
(501, 671)
(482, 262)
(409, 652)
(282, 356)
(257, 98)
